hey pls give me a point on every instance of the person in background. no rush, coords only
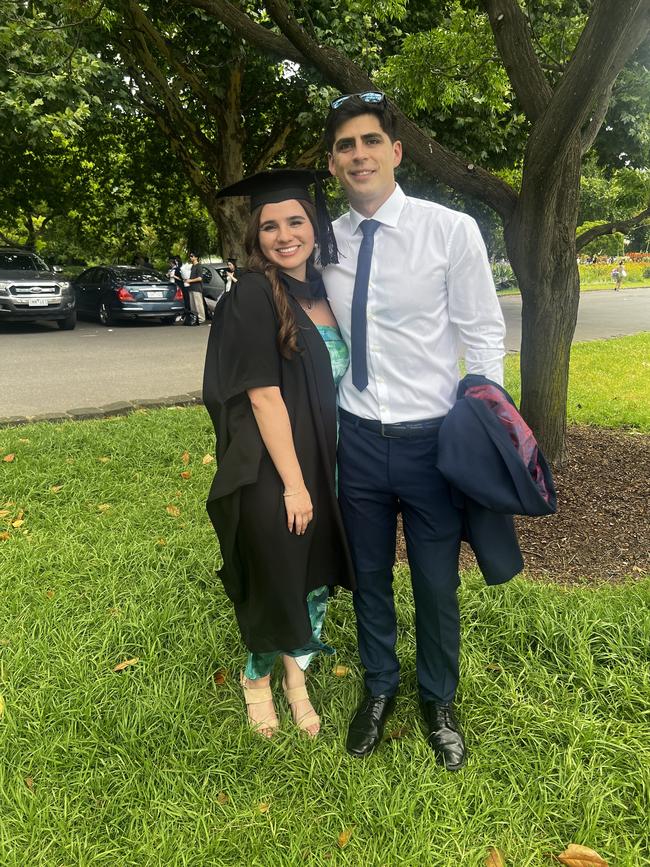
(175, 277)
(195, 290)
(618, 275)
(231, 274)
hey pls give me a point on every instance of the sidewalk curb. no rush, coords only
(110, 410)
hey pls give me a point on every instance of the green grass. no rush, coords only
(99, 768)
(609, 382)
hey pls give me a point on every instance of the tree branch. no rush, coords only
(339, 70)
(239, 22)
(595, 122)
(613, 32)
(143, 23)
(178, 116)
(277, 140)
(609, 228)
(513, 40)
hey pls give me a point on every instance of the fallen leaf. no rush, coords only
(495, 858)
(49, 594)
(8, 459)
(29, 782)
(23, 440)
(186, 474)
(127, 662)
(207, 459)
(344, 837)
(185, 457)
(493, 666)
(56, 488)
(580, 856)
(262, 807)
(4, 536)
(340, 670)
(397, 734)
(17, 523)
(4, 513)
(103, 507)
(20, 514)
(70, 460)
(161, 542)
(172, 510)
(220, 676)
(103, 459)
(222, 798)
(115, 611)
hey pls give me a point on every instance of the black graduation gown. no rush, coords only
(267, 571)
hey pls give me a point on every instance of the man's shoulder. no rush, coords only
(425, 207)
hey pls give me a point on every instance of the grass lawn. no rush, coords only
(154, 766)
(609, 382)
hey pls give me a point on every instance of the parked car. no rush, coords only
(114, 292)
(31, 292)
(214, 278)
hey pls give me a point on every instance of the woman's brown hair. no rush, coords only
(288, 330)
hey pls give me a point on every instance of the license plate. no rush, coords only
(155, 294)
(37, 302)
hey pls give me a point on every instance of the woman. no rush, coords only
(269, 387)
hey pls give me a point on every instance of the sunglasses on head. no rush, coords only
(372, 97)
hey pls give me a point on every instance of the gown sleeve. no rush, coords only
(248, 354)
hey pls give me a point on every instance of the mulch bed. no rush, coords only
(601, 531)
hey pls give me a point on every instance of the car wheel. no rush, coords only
(69, 322)
(168, 320)
(105, 315)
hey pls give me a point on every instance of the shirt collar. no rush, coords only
(388, 213)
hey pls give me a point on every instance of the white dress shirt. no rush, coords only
(431, 299)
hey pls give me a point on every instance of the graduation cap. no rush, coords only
(279, 185)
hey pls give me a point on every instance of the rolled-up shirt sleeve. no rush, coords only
(473, 304)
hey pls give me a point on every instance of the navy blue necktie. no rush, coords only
(359, 325)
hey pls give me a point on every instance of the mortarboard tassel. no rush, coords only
(328, 251)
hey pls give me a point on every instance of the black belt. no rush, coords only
(398, 429)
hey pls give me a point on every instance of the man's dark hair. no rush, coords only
(353, 107)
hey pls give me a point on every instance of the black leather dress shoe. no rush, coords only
(367, 725)
(444, 735)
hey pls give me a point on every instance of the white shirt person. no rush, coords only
(431, 298)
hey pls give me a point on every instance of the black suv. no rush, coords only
(29, 291)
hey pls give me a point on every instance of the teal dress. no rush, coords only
(261, 664)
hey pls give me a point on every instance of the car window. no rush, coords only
(21, 262)
(141, 275)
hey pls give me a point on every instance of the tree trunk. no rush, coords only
(231, 219)
(542, 249)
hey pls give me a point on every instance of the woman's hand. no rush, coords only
(299, 510)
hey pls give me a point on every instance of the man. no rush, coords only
(195, 291)
(413, 282)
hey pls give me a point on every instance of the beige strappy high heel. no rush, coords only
(293, 696)
(269, 724)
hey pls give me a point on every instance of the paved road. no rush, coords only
(45, 370)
